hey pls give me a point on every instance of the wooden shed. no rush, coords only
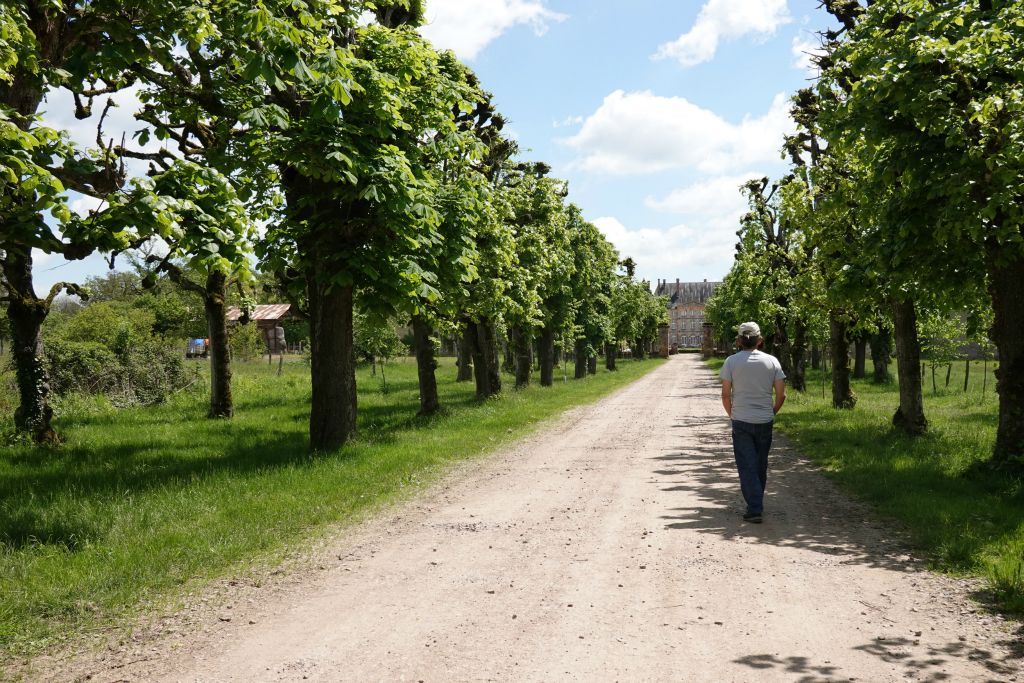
(267, 318)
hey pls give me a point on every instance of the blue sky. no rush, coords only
(655, 111)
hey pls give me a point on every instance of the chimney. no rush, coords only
(705, 279)
(677, 282)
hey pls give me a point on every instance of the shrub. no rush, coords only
(85, 366)
(246, 342)
(129, 374)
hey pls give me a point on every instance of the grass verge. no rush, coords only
(968, 520)
(139, 503)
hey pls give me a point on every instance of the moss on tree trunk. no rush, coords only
(1006, 287)
(839, 340)
(909, 416)
(332, 419)
(426, 365)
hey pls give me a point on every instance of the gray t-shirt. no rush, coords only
(753, 374)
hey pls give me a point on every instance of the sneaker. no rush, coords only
(753, 517)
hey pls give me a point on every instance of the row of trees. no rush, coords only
(903, 201)
(375, 166)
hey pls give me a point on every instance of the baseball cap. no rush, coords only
(750, 329)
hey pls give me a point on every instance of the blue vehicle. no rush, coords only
(197, 348)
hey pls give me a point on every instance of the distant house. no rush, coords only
(268, 318)
(686, 303)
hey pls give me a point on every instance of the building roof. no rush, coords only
(686, 292)
(261, 312)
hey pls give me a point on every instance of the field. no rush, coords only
(140, 505)
(968, 519)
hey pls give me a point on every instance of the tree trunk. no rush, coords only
(798, 376)
(426, 365)
(490, 344)
(214, 297)
(610, 352)
(508, 354)
(881, 353)
(781, 347)
(816, 357)
(592, 365)
(26, 313)
(842, 394)
(860, 354)
(483, 389)
(522, 347)
(486, 360)
(546, 351)
(967, 374)
(638, 349)
(464, 351)
(332, 419)
(581, 358)
(910, 415)
(1006, 287)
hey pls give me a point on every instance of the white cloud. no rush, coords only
(633, 133)
(701, 246)
(682, 251)
(468, 26)
(724, 20)
(804, 50)
(715, 197)
(568, 122)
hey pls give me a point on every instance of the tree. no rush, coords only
(931, 91)
(340, 111)
(213, 237)
(87, 47)
(538, 298)
(596, 262)
(461, 194)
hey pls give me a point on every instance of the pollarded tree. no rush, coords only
(86, 47)
(542, 230)
(596, 263)
(932, 90)
(341, 110)
(446, 271)
(213, 237)
(577, 252)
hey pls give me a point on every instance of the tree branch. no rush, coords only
(71, 288)
(176, 274)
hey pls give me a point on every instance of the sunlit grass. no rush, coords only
(140, 502)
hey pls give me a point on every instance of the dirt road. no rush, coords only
(607, 548)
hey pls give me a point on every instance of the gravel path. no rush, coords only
(607, 548)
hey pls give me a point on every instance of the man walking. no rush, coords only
(748, 378)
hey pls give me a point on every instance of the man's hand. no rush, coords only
(727, 397)
(780, 395)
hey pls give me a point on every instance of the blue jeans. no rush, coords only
(751, 443)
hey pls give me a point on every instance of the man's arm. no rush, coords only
(727, 397)
(780, 395)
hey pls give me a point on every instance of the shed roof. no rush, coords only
(261, 312)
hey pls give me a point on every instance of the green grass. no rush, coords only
(968, 519)
(140, 504)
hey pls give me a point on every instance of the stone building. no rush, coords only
(686, 302)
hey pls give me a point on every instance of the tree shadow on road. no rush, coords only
(803, 510)
(919, 662)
